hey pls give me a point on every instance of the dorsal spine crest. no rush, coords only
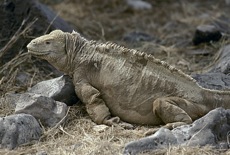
(117, 50)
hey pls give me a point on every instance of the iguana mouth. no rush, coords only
(37, 52)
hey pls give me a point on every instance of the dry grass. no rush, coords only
(78, 137)
(171, 22)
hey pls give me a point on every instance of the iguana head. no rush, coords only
(58, 48)
(50, 46)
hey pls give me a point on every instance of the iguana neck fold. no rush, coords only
(74, 50)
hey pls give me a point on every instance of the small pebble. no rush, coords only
(100, 128)
(205, 34)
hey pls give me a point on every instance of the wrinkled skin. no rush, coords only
(117, 84)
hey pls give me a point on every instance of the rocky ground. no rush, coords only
(165, 29)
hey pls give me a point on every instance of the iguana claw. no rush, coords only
(111, 121)
(116, 121)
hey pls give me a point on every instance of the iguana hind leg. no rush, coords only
(174, 112)
(171, 110)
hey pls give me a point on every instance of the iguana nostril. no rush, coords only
(31, 44)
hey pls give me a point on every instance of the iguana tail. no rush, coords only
(215, 98)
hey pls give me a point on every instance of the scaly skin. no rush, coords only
(129, 85)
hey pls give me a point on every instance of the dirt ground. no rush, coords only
(170, 23)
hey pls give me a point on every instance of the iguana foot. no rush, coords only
(169, 126)
(174, 125)
(126, 125)
(151, 131)
(111, 121)
(115, 121)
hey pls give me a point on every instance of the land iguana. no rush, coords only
(118, 84)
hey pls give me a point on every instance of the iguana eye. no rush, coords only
(47, 42)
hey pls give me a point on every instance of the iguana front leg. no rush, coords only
(95, 106)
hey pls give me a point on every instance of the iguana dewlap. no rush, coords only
(115, 81)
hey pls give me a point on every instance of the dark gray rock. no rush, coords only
(212, 129)
(217, 75)
(18, 129)
(205, 34)
(217, 81)
(222, 63)
(60, 89)
(15, 15)
(160, 140)
(45, 109)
